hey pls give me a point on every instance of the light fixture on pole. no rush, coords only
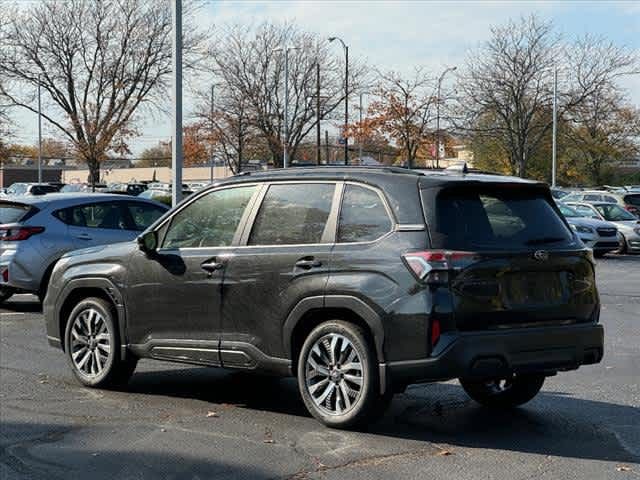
(285, 147)
(438, 140)
(346, 97)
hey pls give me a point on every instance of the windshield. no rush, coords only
(614, 213)
(569, 212)
(489, 218)
(17, 189)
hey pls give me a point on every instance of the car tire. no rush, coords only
(340, 389)
(504, 392)
(92, 346)
(598, 254)
(5, 294)
(623, 246)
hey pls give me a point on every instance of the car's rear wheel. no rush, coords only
(92, 345)
(338, 376)
(503, 392)
(5, 294)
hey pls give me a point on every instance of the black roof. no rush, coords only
(395, 182)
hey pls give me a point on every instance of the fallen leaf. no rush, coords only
(212, 414)
(445, 453)
(163, 429)
(623, 468)
(269, 440)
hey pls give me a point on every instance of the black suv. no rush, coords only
(357, 280)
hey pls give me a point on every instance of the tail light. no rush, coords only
(15, 234)
(5, 274)
(632, 209)
(435, 331)
(433, 266)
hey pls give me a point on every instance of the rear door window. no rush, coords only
(363, 217)
(487, 219)
(590, 197)
(105, 215)
(632, 200)
(293, 214)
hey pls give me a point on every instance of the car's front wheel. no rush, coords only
(338, 376)
(503, 392)
(92, 345)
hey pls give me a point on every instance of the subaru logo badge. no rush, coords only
(541, 255)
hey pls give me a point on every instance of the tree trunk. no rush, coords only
(94, 171)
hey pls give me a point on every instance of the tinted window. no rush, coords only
(210, 221)
(42, 189)
(485, 220)
(614, 213)
(108, 215)
(143, 214)
(632, 200)
(592, 198)
(293, 214)
(607, 198)
(362, 217)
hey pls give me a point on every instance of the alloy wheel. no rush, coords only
(334, 375)
(90, 343)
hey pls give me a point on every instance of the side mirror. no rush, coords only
(148, 241)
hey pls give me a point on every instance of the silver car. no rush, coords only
(35, 231)
(626, 223)
(600, 236)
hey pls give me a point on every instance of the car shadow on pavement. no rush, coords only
(554, 423)
(55, 452)
(26, 305)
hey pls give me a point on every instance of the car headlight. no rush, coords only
(637, 230)
(583, 229)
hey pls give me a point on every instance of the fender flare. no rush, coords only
(103, 284)
(348, 302)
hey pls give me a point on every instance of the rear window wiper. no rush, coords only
(541, 240)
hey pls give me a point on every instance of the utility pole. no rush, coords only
(438, 140)
(176, 144)
(360, 133)
(346, 97)
(39, 133)
(318, 113)
(285, 149)
(555, 127)
(326, 145)
(212, 123)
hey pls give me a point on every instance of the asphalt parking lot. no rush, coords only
(179, 422)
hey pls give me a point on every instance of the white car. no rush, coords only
(600, 236)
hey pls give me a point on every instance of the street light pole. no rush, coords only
(285, 152)
(360, 132)
(39, 133)
(555, 127)
(176, 144)
(346, 97)
(450, 69)
(212, 124)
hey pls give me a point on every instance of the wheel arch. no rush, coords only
(312, 311)
(78, 289)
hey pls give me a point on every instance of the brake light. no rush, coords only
(631, 208)
(433, 266)
(14, 234)
(5, 274)
(435, 331)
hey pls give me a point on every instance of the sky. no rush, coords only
(399, 35)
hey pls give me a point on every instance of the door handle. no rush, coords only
(83, 236)
(211, 266)
(308, 263)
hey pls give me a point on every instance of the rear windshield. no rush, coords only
(497, 219)
(13, 212)
(633, 199)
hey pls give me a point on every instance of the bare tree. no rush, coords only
(251, 62)
(507, 88)
(97, 62)
(404, 110)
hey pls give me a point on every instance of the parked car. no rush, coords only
(600, 236)
(36, 231)
(126, 188)
(83, 187)
(558, 193)
(627, 224)
(628, 200)
(162, 195)
(358, 281)
(26, 188)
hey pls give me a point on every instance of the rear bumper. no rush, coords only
(496, 353)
